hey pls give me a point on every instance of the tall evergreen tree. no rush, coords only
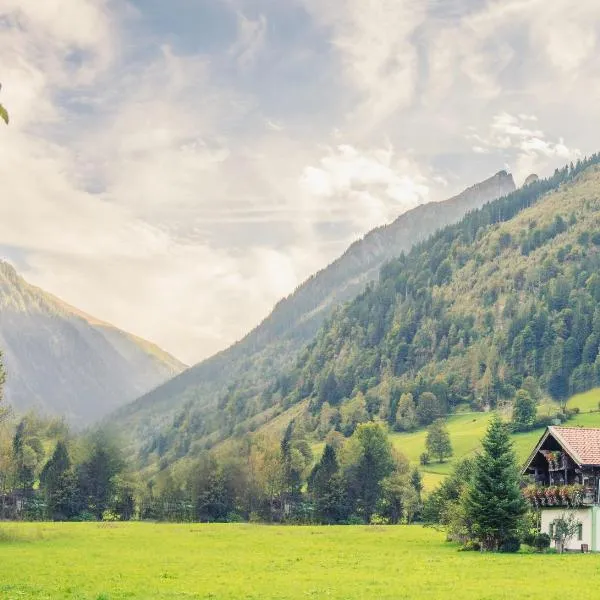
(493, 503)
(372, 461)
(96, 475)
(59, 486)
(325, 486)
(292, 472)
(524, 411)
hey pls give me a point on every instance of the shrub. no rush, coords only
(377, 519)
(541, 542)
(234, 517)
(510, 545)
(470, 546)
(84, 516)
(529, 538)
(424, 459)
(355, 520)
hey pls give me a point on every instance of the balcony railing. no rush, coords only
(559, 495)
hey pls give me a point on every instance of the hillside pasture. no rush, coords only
(467, 429)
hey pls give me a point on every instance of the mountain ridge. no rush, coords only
(504, 301)
(275, 342)
(64, 362)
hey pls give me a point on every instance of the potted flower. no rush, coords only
(552, 495)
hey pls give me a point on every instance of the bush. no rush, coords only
(424, 459)
(541, 542)
(355, 520)
(377, 519)
(470, 546)
(234, 517)
(529, 538)
(510, 545)
(84, 516)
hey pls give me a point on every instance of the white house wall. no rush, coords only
(584, 516)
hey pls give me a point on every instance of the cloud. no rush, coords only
(159, 175)
(528, 148)
(374, 45)
(372, 187)
(251, 40)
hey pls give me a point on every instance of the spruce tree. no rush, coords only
(325, 487)
(524, 411)
(493, 503)
(58, 484)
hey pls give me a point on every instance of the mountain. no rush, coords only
(275, 343)
(504, 301)
(63, 362)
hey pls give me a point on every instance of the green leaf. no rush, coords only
(4, 114)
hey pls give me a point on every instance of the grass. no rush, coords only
(88, 561)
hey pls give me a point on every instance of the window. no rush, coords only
(579, 532)
(551, 532)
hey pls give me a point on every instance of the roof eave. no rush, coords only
(551, 431)
(574, 456)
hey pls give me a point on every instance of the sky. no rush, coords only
(175, 168)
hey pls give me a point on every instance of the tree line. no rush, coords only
(48, 474)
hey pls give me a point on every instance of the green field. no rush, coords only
(235, 562)
(467, 429)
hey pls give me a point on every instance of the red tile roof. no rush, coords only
(582, 443)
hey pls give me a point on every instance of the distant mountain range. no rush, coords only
(60, 361)
(275, 344)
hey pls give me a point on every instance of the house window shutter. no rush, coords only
(579, 532)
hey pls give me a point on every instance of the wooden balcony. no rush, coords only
(570, 496)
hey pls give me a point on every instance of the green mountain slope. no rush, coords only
(274, 345)
(61, 361)
(507, 298)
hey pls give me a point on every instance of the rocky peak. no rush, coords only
(531, 179)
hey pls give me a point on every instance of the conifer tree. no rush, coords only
(325, 486)
(524, 411)
(372, 460)
(493, 503)
(59, 486)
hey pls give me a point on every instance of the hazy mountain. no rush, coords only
(507, 298)
(276, 341)
(61, 361)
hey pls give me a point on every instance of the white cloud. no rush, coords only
(529, 149)
(251, 39)
(372, 187)
(378, 58)
(156, 184)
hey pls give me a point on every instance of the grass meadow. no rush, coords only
(113, 561)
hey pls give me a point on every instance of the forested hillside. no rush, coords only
(60, 361)
(274, 345)
(505, 299)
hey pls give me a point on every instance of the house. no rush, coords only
(565, 471)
